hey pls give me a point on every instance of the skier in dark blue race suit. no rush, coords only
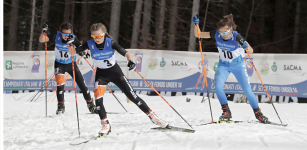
(102, 49)
(63, 63)
(231, 47)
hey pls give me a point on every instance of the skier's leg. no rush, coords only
(59, 73)
(125, 86)
(86, 93)
(240, 73)
(100, 88)
(221, 76)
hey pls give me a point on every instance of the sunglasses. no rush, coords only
(66, 34)
(225, 33)
(97, 36)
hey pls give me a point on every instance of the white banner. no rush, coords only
(282, 74)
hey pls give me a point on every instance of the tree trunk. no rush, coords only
(136, 24)
(146, 23)
(192, 41)
(261, 25)
(44, 19)
(32, 25)
(69, 11)
(115, 18)
(296, 26)
(279, 24)
(159, 24)
(84, 34)
(173, 26)
(12, 46)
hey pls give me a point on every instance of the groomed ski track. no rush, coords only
(26, 126)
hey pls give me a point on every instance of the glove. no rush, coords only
(195, 20)
(131, 65)
(45, 27)
(84, 55)
(81, 53)
(70, 39)
(245, 45)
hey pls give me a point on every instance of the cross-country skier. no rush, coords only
(103, 49)
(231, 46)
(63, 63)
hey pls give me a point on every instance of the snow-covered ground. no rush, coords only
(27, 127)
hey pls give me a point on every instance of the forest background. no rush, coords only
(270, 26)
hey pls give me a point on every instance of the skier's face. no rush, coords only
(65, 34)
(98, 36)
(225, 31)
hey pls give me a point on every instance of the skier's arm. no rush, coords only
(121, 50)
(42, 36)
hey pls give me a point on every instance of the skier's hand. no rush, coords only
(83, 53)
(195, 20)
(45, 27)
(245, 45)
(131, 65)
(70, 39)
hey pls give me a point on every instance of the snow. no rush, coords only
(26, 126)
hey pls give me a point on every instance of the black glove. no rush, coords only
(131, 65)
(70, 39)
(84, 55)
(45, 27)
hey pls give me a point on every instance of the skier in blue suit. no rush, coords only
(231, 46)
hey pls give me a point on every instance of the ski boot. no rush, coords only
(91, 107)
(61, 108)
(106, 129)
(156, 120)
(260, 116)
(226, 115)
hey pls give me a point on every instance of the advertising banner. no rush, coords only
(282, 74)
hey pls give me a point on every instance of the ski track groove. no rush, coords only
(132, 131)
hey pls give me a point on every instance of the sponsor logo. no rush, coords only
(152, 62)
(36, 64)
(179, 63)
(264, 66)
(138, 61)
(162, 63)
(8, 65)
(274, 67)
(93, 47)
(216, 65)
(249, 66)
(59, 38)
(107, 44)
(292, 67)
(50, 63)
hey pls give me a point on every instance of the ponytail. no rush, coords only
(227, 21)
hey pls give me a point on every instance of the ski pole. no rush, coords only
(31, 99)
(73, 70)
(107, 86)
(161, 96)
(46, 71)
(202, 57)
(267, 93)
